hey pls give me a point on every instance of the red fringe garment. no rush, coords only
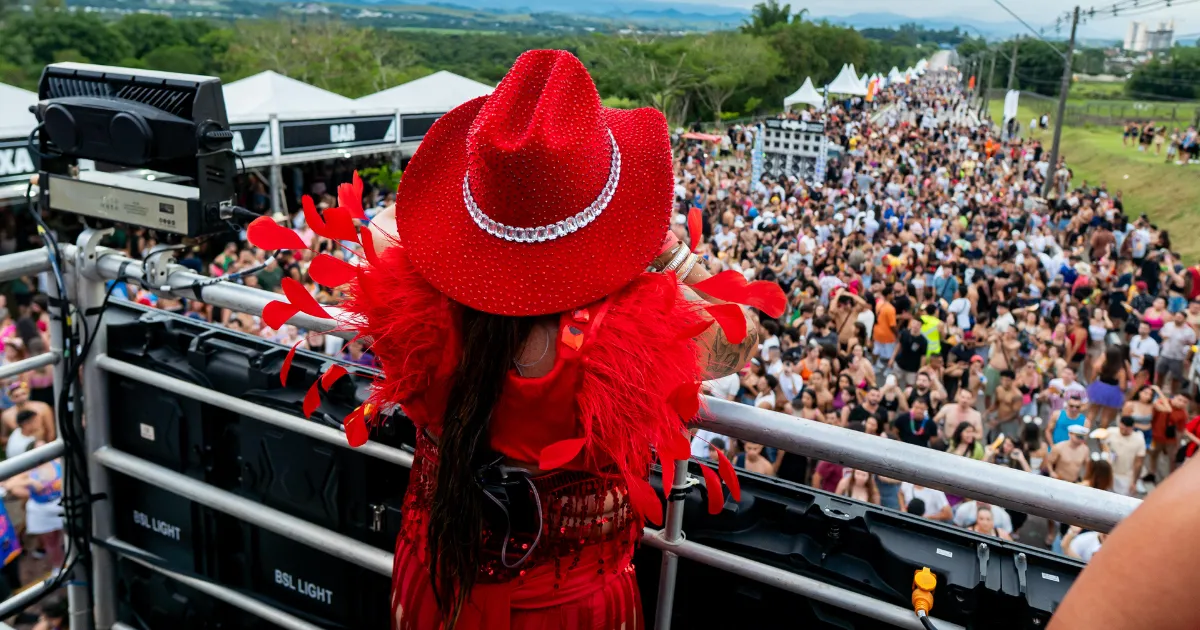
(629, 371)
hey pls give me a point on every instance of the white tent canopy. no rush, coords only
(258, 97)
(15, 119)
(894, 75)
(807, 95)
(437, 93)
(847, 82)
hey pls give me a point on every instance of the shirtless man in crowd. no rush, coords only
(963, 410)
(1067, 459)
(1006, 409)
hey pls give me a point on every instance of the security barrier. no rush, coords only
(88, 267)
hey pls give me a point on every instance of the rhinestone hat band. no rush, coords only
(554, 230)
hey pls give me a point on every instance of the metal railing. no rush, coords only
(90, 270)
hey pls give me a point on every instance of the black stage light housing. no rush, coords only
(162, 121)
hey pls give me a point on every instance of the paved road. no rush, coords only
(942, 59)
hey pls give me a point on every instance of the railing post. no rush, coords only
(89, 296)
(672, 533)
(78, 598)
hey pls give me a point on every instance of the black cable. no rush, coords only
(75, 455)
(925, 620)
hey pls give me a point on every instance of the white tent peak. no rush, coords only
(847, 82)
(257, 97)
(807, 94)
(15, 119)
(437, 93)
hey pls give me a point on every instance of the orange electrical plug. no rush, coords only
(924, 581)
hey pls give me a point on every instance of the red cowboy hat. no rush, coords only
(536, 199)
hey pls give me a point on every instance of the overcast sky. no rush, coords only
(1038, 13)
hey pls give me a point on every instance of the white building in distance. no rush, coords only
(1139, 37)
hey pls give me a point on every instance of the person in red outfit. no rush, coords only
(534, 317)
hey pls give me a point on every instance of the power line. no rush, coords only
(1031, 29)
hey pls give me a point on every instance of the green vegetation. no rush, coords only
(712, 76)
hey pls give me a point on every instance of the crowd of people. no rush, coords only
(938, 299)
(1182, 147)
(934, 298)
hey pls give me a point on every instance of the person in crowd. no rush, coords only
(935, 503)
(1128, 451)
(42, 487)
(19, 395)
(860, 485)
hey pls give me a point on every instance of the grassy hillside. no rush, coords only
(1167, 193)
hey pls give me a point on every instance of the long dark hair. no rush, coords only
(490, 343)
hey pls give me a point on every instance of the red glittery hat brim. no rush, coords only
(493, 275)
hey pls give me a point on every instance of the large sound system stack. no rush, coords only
(337, 488)
(802, 530)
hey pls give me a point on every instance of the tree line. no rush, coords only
(1174, 75)
(708, 76)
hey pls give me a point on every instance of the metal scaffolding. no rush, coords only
(89, 268)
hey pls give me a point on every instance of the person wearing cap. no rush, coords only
(1067, 459)
(1128, 451)
(535, 319)
(1072, 414)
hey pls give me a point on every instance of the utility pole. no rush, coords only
(987, 90)
(1012, 64)
(1062, 105)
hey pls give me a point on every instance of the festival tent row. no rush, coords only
(847, 82)
(279, 120)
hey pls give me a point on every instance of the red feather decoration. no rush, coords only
(712, 487)
(267, 234)
(287, 361)
(668, 474)
(350, 197)
(731, 286)
(331, 271)
(685, 400)
(729, 476)
(368, 242)
(729, 317)
(331, 376)
(676, 446)
(276, 313)
(695, 330)
(560, 453)
(645, 500)
(695, 229)
(355, 425)
(312, 399)
(312, 218)
(339, 226)
(302, 299)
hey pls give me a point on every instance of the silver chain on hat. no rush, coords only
(555, 230)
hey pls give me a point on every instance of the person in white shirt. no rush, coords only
(967, 511)
(1140, 347)
(790, 383)
(1082, 545)
(937, 506)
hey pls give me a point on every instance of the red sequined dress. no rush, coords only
(625, 382)
(626, 376)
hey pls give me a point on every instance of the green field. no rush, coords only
(1167, 193)
(442, 31)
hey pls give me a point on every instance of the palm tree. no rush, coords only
(766, 15)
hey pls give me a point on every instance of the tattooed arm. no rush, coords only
(721, 357)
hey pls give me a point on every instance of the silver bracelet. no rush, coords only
(680, 256)
(688, 266)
